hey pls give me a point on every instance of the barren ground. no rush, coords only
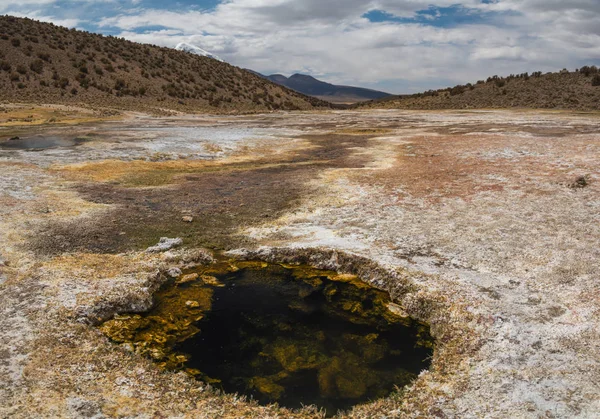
(474, 221)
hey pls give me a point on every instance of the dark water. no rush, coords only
(40, 143)
(277, 338)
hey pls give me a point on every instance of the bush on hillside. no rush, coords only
(588, 71)
(37, 66)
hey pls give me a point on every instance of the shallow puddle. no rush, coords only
(40, 143)
(286, 334)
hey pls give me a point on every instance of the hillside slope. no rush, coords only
(41, 62)
(578, 90)
(308, 85)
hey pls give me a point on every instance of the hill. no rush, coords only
(577, 90)
(41, 62)
(330, 92)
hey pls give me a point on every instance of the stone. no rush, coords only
(211, 280)
(192, 304)
(174, 273)
(188, 278)
(187, 219)
(397, 310)
(165, 244)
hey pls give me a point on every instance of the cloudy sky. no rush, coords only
(394, 45)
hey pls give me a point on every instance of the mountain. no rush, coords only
(330, 92)
(193, 49)
(577, 90)
(44, 63)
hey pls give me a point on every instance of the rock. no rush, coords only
(211, 280)
(397, 310)
(165, 244)
(14, 139)
(192, 304)
(187, 219)
(174, 273)
(188, 278)
(580, 182)
(82, 408)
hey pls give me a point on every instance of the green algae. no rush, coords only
(287, 334)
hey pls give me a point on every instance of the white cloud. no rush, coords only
(333, 39)
(69, 23)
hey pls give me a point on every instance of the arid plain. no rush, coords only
(484, 224)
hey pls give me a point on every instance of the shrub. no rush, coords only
(63, 83)
(21, 86)
(596, 80)
(588, 71)
(37, 66)
(16, 42)
(21, 69)
(457, 90)
(119, 84)
(44, 56)
(5, 66)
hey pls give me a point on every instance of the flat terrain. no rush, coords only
(485, 224)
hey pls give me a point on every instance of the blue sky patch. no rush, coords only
(443, 17)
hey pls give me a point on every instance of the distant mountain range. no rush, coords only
(310, 86)
(304, 84)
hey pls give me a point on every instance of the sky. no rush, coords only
(399, 46)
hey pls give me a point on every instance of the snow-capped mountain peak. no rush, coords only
(193, 49)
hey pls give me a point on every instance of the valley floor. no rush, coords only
(485, 224)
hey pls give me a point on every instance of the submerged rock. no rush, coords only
(188, 278)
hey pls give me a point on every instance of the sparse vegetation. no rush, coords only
(561, 90)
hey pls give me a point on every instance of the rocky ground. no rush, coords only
(484, 224)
